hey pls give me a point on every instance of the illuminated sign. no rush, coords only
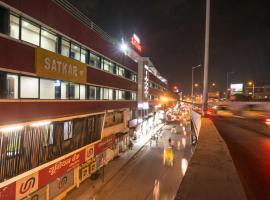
(135, 41)
(237, 88)
(55, 66)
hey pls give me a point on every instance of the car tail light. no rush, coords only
(267, 121)
(209, 112)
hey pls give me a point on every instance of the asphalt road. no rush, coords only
(145, 175)
(249, 144)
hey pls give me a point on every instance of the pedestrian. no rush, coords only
(130, 145)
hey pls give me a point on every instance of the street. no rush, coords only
(145, 175)
(250, 148)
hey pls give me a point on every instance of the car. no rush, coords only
(223, 111)
(253, 111)
(168, 156)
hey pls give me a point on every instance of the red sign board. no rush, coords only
(8, 192)
(136, 43)
(104, 144)
(59, 168)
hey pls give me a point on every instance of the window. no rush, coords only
(29, 87)
(47, 89)
(82, 91)
(65, 48)
(92, 92)
(30, 32)
(108, 66)
(51, 133)
(48, 40)
(110, 94)
(74, 91)
(134, 96)
(115, 94)
(64, 86)
(105, 93)
(99, 93)
(94, 60)
(121, 95)
(14, 26)
(8, 86)
(127, 74)
(134, 77)
(75, 52)
(67, 130)
(14, 139)
(83, 55)
(120, 71)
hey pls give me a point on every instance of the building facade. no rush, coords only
(69, 99)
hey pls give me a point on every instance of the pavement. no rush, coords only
(250, 149)
(211, 173)
(89, 187)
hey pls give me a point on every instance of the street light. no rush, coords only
(251, 83)
(213, 84)
(228, 74)
(192, 81)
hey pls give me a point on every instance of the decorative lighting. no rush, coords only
(42, 123)
(11, 128)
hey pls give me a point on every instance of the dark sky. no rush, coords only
(172, 35)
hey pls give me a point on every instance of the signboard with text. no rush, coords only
(55, 66)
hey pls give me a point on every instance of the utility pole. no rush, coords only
(206, 58)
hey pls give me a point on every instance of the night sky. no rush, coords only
(172, 35)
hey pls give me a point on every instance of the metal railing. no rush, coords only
(85, 20)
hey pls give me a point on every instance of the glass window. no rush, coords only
(65, 48)
(99, 93)
(57, 86)
(105, 93)
(67, 130)
(82, 91)
(121, 95)
(47, 89)
(30, 32)
(74, 91)
(128, 74)
(48, 40)
(108, 66)
(115, 94)
(94, 60)
(110, 94)
(51, 133)
(120, 71)
(29, 87)
(8, 86)
(64, 89)
(14, 26)
(75, 52)
(83, 55)
(134, 77)
(92, 92)
(133, 96)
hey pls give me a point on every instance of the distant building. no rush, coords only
(260, 92)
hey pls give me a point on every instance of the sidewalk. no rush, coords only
(211, 173)
(89, 187)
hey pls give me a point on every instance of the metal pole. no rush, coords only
(206, 57)
(227, 92)
(253, 90)
(192, 82)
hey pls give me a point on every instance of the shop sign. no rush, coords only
(61, 184)
(89, 153)
(58, 169)
(104, 144)
(26, 186)
(136, 43)
(8, 192)
(55, 66)
(100, 159)
(84, 173)
(38, 195)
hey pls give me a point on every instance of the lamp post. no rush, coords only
(251, 83)
(192, 82)
(206, 58)
(228, 74)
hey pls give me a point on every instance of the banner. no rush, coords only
(55, 66)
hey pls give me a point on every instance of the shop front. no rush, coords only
(122, 141)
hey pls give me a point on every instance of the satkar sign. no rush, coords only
(52, 65)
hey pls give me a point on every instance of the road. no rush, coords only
(137, 179)
(250, 149)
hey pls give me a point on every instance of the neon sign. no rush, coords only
(135, 41)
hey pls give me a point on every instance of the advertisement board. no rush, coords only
(237, 88)
(104, 144)
(41, 194)
(26, 186)
(8, 191)
(60, 184)
(55, 66)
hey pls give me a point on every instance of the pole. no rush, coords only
(253, 90)
(192, 82)
(206, 57)
(227, 92)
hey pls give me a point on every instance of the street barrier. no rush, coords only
(195, 125)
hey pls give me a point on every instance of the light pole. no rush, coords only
(192, 81)
(206, 58)
(251, 83)
(228, 74)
